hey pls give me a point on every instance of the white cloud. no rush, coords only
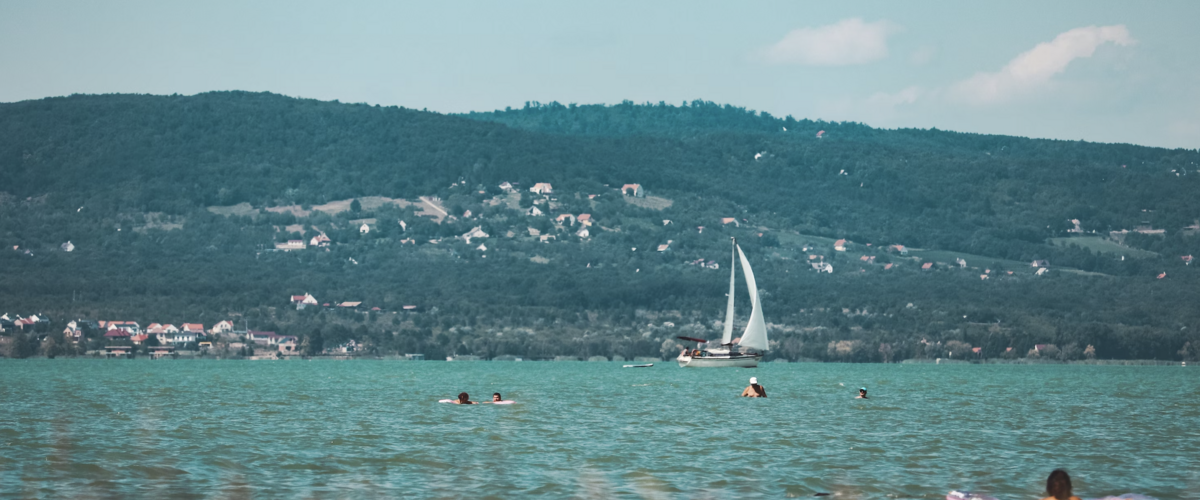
(847, 42)
(1035, 68)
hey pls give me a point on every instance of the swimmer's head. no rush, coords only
(496, 396)
(462, 396)
(753, 380)
(1058, 485)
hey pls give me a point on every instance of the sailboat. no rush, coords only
(748, 350)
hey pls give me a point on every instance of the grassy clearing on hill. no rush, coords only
(1102, 245)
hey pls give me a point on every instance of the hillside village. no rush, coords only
(542, 208)
(581, 231)
(125, 339)
(545, 205)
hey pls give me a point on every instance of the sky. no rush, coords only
(1096, 70)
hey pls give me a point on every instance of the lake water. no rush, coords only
(337, 429)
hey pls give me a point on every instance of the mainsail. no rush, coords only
(755, 336)
(727, 336)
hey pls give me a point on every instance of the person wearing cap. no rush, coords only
(754, 390)
(862, 393)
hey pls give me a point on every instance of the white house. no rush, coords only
(183, 337)
(364, 229)
(533, 212)
(306, 299)
(507, 187)
(291, 245)
(542, 188)
(226, 326)
(477, 232)
(319, 240)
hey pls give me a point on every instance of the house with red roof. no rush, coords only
(117, 334)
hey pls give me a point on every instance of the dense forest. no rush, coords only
(173, 206)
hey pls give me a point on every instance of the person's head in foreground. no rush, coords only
(464, 398)
(496, 397)
(1058, 485)
(862, 392)
(753, 380)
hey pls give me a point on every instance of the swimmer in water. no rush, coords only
(862, 393)
(464, 399)
(1058, 485)
(496, 397)
(755, 390)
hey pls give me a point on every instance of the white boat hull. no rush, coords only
(743, 361)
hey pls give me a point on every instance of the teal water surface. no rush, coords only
(74, 428)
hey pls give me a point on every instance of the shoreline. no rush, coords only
(1021, 361)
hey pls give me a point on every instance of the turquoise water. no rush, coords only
(337, 429)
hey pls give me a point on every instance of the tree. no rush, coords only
(885, 350)
(20, 346)
(355, 206)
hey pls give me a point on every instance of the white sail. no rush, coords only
(727, 336)
(755, 336)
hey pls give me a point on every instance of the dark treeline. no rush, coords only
(128, 180)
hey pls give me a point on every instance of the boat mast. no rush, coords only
(727, 336)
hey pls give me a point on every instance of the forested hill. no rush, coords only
(949, 190)
(171, 199)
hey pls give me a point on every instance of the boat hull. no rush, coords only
(743, 361)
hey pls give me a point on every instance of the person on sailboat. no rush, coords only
(755, 390)
(862, 393)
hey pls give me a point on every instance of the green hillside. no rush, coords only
(174, 205)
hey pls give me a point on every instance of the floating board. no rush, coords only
(966, 495)
(451, 401)
(505, 402)
(648, 365)
(1127, 496)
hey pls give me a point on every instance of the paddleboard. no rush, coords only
(505, 402)
(966, 495)
(638, 366)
